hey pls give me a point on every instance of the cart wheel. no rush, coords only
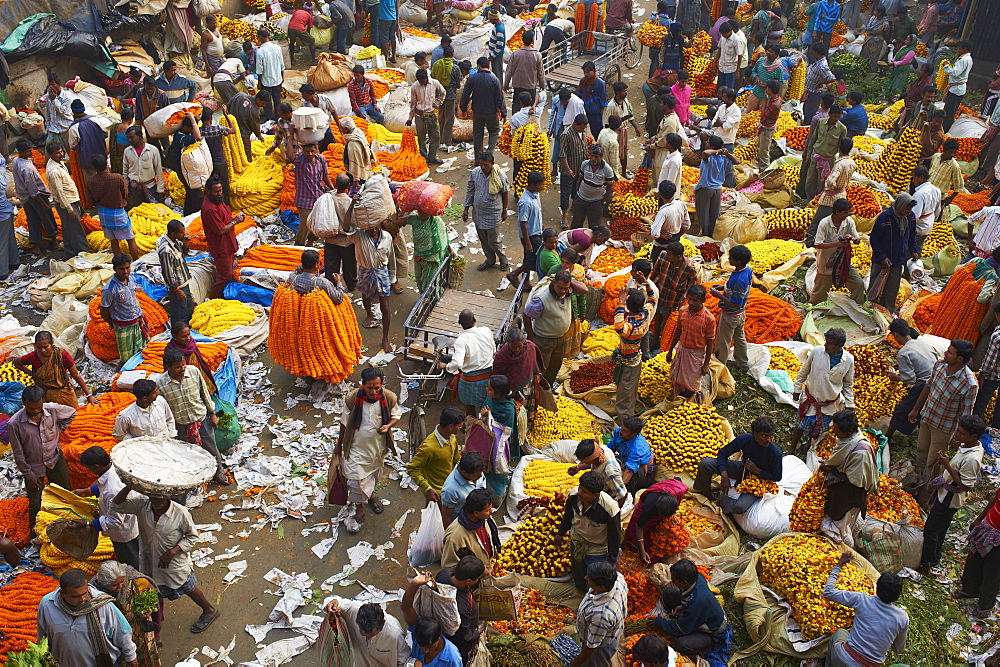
(417, 428)
(613, 74)
(633, 51)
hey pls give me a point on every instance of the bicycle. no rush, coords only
(632, 53)
(430, 387)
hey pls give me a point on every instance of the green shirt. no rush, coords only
(549, 262)
(827, 140)
(434, 461)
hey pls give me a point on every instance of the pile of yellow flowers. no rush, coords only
(611, 260)
(531, 550)
(10, 374)
(651, 34)
(893, 504)
(217, 315)
(807, 511)
(684, 436)
(600, 342)
(788, 223)
(751, 119)
(861, 257)
(416, 32)
(877, 121)
(381, 134)
(783, 359)
(757, 486)
(690, 175)
(573, 422)
(149, 223)
(696, 523)
(654, 379)
(233, 148)
(875, 395)
(175, 188)
(690, 249)
(701, 43)
(867, 143)
(942, 235)
(544, 479)
(257, 191)
(772, 253)
(797, 568)
(60, 561)
(627, 205)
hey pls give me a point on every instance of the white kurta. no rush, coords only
(367, 452)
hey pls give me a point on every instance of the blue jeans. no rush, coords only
(342, 35)
(370, 112)
(727, 80)
(579, 568)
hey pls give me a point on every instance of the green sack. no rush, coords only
(228, 430)
(944, 262)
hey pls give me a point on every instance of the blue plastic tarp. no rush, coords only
(249, 294)
(154, 292)
(290, 219)
(10, 397)
(225, 377)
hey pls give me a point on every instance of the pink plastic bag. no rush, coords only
(430, 198)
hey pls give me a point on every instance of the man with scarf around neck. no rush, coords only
(51, 368)
(182, 340)
(593, 521)
(82, 625)
(851, 474)
(893, 241)
(824, 385)
(473, 532)
(364, 441)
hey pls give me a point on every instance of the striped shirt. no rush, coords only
(600, 619)
(631, 327)
(818, 75)
(990, 368)
(498, 40)
(673, 282)
(172, 265)
(309, 182)
(487, 209)
(361, 94)
(946, 175)
(949, 396)
(696, 328)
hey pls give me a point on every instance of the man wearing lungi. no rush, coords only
(824, 386)
(472, 361)
(365, 441)
(120, 309)
(694, 340)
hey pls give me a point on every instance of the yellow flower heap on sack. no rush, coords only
(942, 235)
(600, 342)
(783, 359)
(544, 479)
(893, 504)
(531, 551)
(807, 511)
(696, 523)
(875, 395)
(651, 34)
(684, 436)
(149, 223)
(654, 379)
(175, 188)
(756, 486)
(771, 253)
(10, 374)
(217, 315)
(59, 561)
(797, 568)
(627, 205)
(690, 249)
(573, 422)
(861, 257)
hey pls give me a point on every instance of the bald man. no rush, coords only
(472, 361)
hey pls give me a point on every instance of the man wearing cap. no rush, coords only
(497, 44)
(86, 138)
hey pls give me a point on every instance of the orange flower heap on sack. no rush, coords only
(19, 610)
(92, 426)
(102, 338)
(893, 504)
(310, 336)
(642, 593)
(274, 257)
(14, 520)
(923, 314)
(152, 356)
(971, 203)
(756, 486)
(695, 523)
(611, 260)
(809, 506)
(537, 617)
(407, 163)
(865, 203)
(668, 538)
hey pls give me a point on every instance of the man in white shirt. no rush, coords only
(836, 230)
(66, 198)
(142, 169)
(987, 238)
(673, 164)
(410, 69)
(672, 220)
(825, 385)
(150, 415)
(958, 77)
(121, 529)
(472, 360)
(928, 207)
(732, 55)
(727, 118)
(377, 638)
(426, 97)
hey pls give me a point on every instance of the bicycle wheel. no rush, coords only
(633, 51)
(417, 429)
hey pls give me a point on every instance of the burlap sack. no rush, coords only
(331, 71)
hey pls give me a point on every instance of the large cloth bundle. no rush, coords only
(165, 122)
(331, 71)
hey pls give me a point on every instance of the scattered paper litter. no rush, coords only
(237, 569)
(282, 651)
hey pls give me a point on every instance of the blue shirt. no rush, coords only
(483, 88)
(448, 657)
(699, 611)
(529, 210)
(737, 290)
(181, 89)
(497, 41)
(594, 96)
(713, 171)
(387, 10)
(632, 454)
(787, 64)
(827, 13)
(437, 54)
(855, 119)
(456, 488)
(768, 459)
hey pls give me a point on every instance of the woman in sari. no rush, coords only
(51, 368)
(124, 583)
(504, 410)
(875, 33)
(182, 340)
(902, 66)
(768, 68)
(520, 361)
(658, 502)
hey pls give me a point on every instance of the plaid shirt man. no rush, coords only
(673, 283)
(600, 619)
(818, 75)
(361, 94)
(190, 399)
(573, 147)
(990, 368)
(949, 396)
(308, 180)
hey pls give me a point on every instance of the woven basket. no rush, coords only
(162, 466)
(457, 275)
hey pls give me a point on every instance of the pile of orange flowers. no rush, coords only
(102, 338)
(703, 82)
(642, 593)
(407, 163)
(609, 303)
(971, 203)
(14, 520)
(90, 224)
(638, 186)
(623, 228)
(968, 147)
(892, 503)
(152, 356)
(923, 314)
(668, 537)
(274, 257)
(19, 610)
(92, 427)
(197, 232)
(536, 617)
(757, 486)
(958, 313)
(696, 524)
(796, 137)
(390, 75)
(312, 337)
(809, 507)
(611, 260)
(690, 175)
(865, 203)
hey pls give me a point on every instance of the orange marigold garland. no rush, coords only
(611, 260)
(14, 520)
(19, 610)
(959, 314)
(609, 303)
(668, 537)
(274, 257)
(757, 486)
(91, 427)
(102, 338)
(312, 337)
(923, 314)
(809, 507)
(407, 163)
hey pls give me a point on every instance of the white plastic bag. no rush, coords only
(196, 164)
(65, 322)
(158, 123)
(429, 541)
(375, 203)
(434, 600)
(323, 221)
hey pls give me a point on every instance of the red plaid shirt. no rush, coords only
(950, 396)
(673, 283)
(769, 116)
(308, 180)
